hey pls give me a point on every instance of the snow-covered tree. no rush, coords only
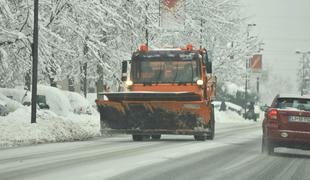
(87, 40)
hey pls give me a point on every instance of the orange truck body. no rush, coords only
(156, 108)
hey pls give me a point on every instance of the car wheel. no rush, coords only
(267, 146)
(156, 137)
(211, 134)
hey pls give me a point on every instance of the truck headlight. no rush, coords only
(199, 82)
(129, 83)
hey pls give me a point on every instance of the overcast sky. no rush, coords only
(284, 26)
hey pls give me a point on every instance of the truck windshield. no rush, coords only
(165, 71)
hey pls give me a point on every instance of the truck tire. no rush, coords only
(136, 137)
(200, 137)
(211, 134)
(267, 146)
(156, 137)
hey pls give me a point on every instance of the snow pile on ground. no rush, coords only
(233, 113)
(57, 124)
(16, 129)
(229, 116)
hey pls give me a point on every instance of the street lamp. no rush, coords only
(246, 69)
(304, 54)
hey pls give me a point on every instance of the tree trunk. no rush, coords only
(28, 80)
(99, 83)
(70, 84)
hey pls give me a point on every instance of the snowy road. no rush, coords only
(234, 154)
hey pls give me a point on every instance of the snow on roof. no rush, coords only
(11, 104)
(16, 94)
(77, 100)
(166, 49)
(294, 96)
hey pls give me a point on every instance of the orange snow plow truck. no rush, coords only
(168, 91)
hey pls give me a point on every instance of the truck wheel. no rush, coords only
(210, 135)
(156, 137)
(136, 137)
(200, 137)
(267, 146)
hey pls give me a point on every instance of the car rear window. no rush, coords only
(293, 104)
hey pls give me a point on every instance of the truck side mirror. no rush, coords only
(208, 62)
(124, 70)
(209, 67)
(206, 58)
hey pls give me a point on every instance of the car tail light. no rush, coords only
(144, 48)
(273, 114)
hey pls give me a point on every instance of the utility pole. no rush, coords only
(304, 54)
(246, 69)
(35, 62)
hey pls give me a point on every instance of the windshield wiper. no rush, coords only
(159, 74)
(192, 72)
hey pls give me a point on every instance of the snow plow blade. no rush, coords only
(153, 113)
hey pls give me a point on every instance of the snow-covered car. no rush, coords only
(56, 100)
(8, 104)
(3, 108)
(79, 104)
(287, 123)
(19, 95)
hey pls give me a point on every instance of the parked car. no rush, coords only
(79, 104)
(287, 123)
(3, 108)
(8, 105)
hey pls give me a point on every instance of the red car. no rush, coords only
(287, 123)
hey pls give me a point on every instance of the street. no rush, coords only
(234, 154)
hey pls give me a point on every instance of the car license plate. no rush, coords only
(303, 119)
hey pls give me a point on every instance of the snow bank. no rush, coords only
(229, 117)
(57, 124)
(233, 114)
(16, 129)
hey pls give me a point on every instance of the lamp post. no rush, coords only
(246, 69)
(304, 54)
